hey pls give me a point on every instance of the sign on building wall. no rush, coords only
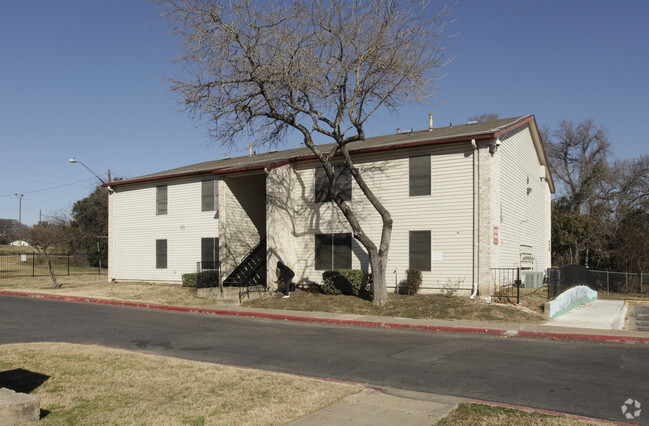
(495, 235)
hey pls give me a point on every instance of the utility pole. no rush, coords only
(20, 208)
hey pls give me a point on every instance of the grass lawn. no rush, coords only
(419, 306)
(97, 286)
(84, 384)
(469, 414)
(622, 296)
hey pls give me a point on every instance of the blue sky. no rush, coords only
(86, 79)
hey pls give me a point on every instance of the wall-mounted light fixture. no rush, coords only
(493, 146)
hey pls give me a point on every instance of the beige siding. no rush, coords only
(524, 202)
(244, 217)
(280, 226)
(135, 227)
(447, 213)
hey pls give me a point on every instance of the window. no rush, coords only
(210, 195)
(343, 180)
(161, 254)
(209, 253)
(333, 251)
(419, 250)
(161, 200)
(419, 175)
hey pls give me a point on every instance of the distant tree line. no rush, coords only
(600, 213)
(83, 229)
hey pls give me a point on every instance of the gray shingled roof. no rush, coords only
(438, 135)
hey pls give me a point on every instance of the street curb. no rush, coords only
(358, 323)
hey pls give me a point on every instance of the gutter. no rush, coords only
(476, 218)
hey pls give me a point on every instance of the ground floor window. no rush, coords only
(333, 251)
(209, 253)
(161, 254)
(419, 250)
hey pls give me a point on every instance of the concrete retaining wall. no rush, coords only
(569, 300)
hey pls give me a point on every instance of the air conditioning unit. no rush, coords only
(532, 279)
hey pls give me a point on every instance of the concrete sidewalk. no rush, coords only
(599, 314)
(378, 407)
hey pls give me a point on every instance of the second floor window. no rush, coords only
(161, 200)
(419, 174)
(343, 181)
(210, 195)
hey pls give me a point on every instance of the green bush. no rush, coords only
(413, 277)
(351, 282)
(203, 279)
(189, 280)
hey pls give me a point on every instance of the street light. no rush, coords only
(20, 208)
(72, 160)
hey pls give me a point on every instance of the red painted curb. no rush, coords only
(359, 323)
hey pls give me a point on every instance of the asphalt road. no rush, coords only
(589, 379)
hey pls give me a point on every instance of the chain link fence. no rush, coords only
(565, 277)
(35, 265)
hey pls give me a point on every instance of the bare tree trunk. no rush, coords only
(379, 285)
(50, 268)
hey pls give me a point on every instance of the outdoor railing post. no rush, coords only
(608, 290)
(518, 285)
(33, 265)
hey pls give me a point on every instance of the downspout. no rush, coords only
(476, 217)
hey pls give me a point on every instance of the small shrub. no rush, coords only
(413, 277)
(351, 282)
(189, 280)
(203, 279)
(451, 287)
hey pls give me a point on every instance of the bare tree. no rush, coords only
(579, 158)
(487, 116)
(318, 69)
(45, 236)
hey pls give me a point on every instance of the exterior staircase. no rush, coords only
(250, 275)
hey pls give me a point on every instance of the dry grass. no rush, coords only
(622, 296)
(97, 286)
(98, 385)
(469, 414)
(419, 306)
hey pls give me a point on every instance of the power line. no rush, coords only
(47, 189)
